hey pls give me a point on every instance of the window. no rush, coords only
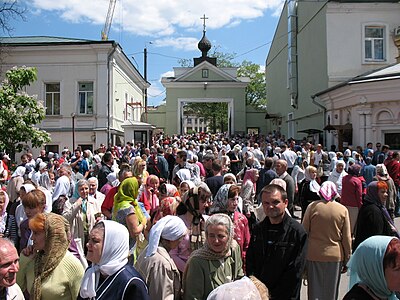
(195, 121)
(189, 121)
(52, 98)
(374, 43)
(204, 73)
(86, 98)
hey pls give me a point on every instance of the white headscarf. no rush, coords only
(19, 171)
(243, 289)
(170, 228)
(183, 174)
(28, 187)
(113, 258)
(314, 186)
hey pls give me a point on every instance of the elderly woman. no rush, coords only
(128, 212)
(327, 224)
(383, 175)
(15, 183)
(216, 263)
(154, 263)
(373, 217)
(308, 189)
(82, 212)
(337, 175)
(376, 278)
(192, 211)
(51, 272)
(110, 275)
(226, 201)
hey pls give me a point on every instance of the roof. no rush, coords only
(45, 40)
(385, 73)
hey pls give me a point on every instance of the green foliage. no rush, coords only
(19, 112)
(214, 112)
(256, 94)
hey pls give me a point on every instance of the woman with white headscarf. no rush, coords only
(15, 183)
(337, 175)
(308, 189)
(156, 265)
(110, 276)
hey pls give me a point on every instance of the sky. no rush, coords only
(169, 29)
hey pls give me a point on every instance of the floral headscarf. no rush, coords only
(57, 234)
(220, 202)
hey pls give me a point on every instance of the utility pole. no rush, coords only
(145, 79)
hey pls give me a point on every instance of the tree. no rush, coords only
(10, 10)
(256, 94)
(19, 112)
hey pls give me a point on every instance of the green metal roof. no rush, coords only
(46, 40)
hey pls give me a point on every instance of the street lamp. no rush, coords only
(73, 131)
(145, 78)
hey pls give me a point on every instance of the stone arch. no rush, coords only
(384, 116)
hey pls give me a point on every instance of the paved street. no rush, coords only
(345, 279)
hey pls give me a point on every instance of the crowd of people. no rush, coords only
(200, 217)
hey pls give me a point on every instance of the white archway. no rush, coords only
(231, 115)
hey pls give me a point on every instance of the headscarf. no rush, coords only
(126, 196)
(206, 252)
(250, 175)
(314, 186)
(243, 289)
(19, 171)
(56, 230)
(170, 228)
(381, 170)
(328, 191)
(220, 201)
(112, 179)
(172, 191)
(365, 270)
(168, 206)
(183, 174)
(231, 175)
(189, 183)
(28, 187)
(113, 257)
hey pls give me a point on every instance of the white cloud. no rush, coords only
(161, 18)
(181, 43)
(167, 74)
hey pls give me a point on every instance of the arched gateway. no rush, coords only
(204, 82)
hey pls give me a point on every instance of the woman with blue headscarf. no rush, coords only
(376, 278)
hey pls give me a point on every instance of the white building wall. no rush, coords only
(345, 37)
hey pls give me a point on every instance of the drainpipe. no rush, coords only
(314, 101)
(109, 92)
